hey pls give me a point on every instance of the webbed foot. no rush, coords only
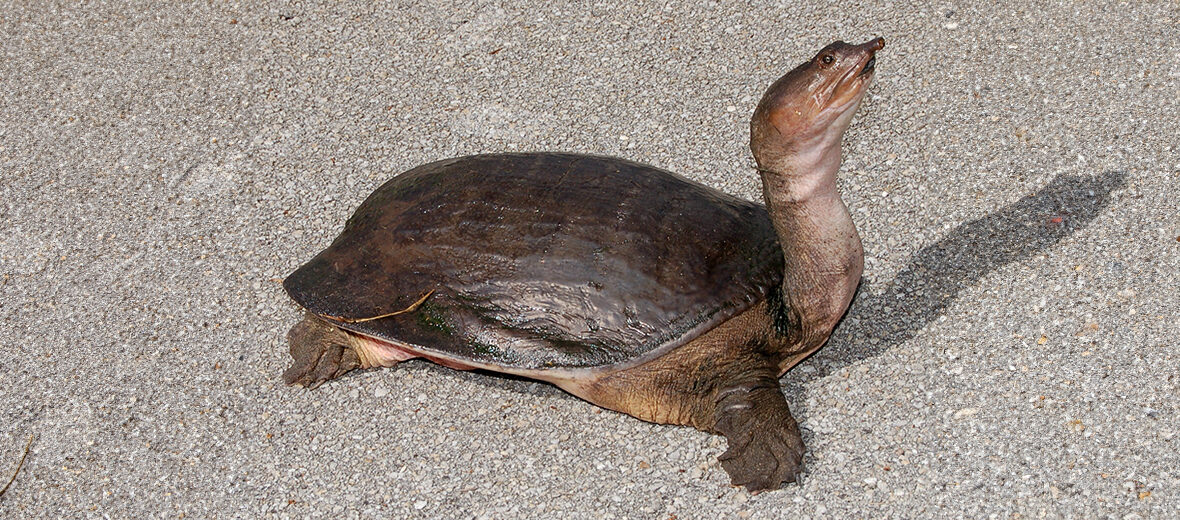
(320, 352)
(765, 447)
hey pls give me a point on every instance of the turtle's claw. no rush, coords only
(318, 355)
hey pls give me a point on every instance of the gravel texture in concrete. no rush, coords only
(1014, 173)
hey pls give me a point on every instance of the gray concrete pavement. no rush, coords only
(1014, 172)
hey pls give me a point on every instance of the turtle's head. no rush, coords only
(797, 127)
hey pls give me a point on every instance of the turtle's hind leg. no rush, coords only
(321, 352)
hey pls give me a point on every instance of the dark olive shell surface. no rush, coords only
(543, 260)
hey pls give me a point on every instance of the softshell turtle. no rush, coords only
(625, 285)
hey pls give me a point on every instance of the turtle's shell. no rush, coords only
(543, 261)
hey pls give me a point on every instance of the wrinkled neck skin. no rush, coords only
(821, 248)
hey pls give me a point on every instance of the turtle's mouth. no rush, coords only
(868, 69)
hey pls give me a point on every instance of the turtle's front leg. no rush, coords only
(765, 447)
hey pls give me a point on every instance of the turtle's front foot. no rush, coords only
(765, 448)
(320, 352)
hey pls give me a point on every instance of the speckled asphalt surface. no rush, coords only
(1014, 172)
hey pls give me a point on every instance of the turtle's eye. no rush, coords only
(827, 59)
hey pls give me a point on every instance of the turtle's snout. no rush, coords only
(872, 46)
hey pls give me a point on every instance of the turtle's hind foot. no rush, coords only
(320, 352)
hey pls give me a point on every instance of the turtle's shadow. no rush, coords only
(491, 380)
(880, 319)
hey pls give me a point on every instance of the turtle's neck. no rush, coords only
(823, 256)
